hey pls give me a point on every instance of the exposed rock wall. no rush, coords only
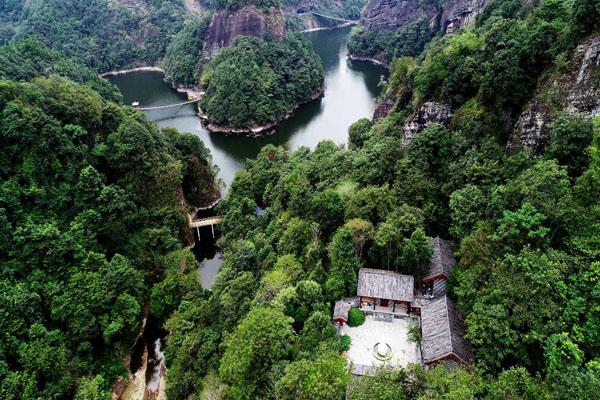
(429, 113)
(459, 13)
(384, 107)
(576, 91)
(389, 15)
(226, 25)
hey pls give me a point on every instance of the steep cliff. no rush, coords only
(448, 17)
(575, 91)
(389, 15)
(429, 113)
(246, 21)
(459, 13)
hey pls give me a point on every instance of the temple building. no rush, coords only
(390, 296)
(385, 291)
(442, 263)
(443, 334)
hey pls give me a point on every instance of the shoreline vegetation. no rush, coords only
(262, 93)
(258, 130)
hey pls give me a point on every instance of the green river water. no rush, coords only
(350, 91)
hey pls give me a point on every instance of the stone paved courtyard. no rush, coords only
(364, 338)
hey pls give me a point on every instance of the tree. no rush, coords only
(521, 228)
(344, 265)
(388, 384)
(260, 341)
(416, 254)
(362, 232)
(467, 206)
(358, 132)
(324, 378)
(569, 140)
(516, 384)
(318, 331)
(92, 389)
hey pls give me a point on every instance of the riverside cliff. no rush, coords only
(227, 24)
(451, 15)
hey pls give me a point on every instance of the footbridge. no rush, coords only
(208, 221)
(136, 105)
(331, 17)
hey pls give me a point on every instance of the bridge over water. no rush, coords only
(331, 17)
(166, 106)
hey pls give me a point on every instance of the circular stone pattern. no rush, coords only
(382, 351)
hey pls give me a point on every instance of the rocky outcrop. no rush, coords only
(429, 113)
(576, 91)
(384, 107)
(459, 13)
(389, 15)
(226, 25)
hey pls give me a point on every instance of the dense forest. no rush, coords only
(91, 214)
(94, 201)
(101, 34)
(256, 82)
(183, 59)
(527, 226)
(384, 46)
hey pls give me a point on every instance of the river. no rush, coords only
(350, 90)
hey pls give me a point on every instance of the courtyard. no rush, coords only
(392, 336)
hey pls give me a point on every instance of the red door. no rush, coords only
(383, 302)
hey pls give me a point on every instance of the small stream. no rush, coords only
(147, 364)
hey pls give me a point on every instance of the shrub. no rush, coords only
(356, 317)
(345, 342)
(414, 331)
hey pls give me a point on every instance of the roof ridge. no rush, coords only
(449, 327)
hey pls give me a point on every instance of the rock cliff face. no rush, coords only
(248, 21)
(430, 112)
(388, 15)
(576, 91)
(459, 13)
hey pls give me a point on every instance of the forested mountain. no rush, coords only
(92, 211)
(393, 28)
(102, 34)
(487, 134)
(436, 164)
(257, 82)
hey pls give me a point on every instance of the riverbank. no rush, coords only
(257, 130)
(352, 57)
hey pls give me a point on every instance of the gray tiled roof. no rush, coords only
(340, 310)
(383, 284)
(443, 332)
(442, 258)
